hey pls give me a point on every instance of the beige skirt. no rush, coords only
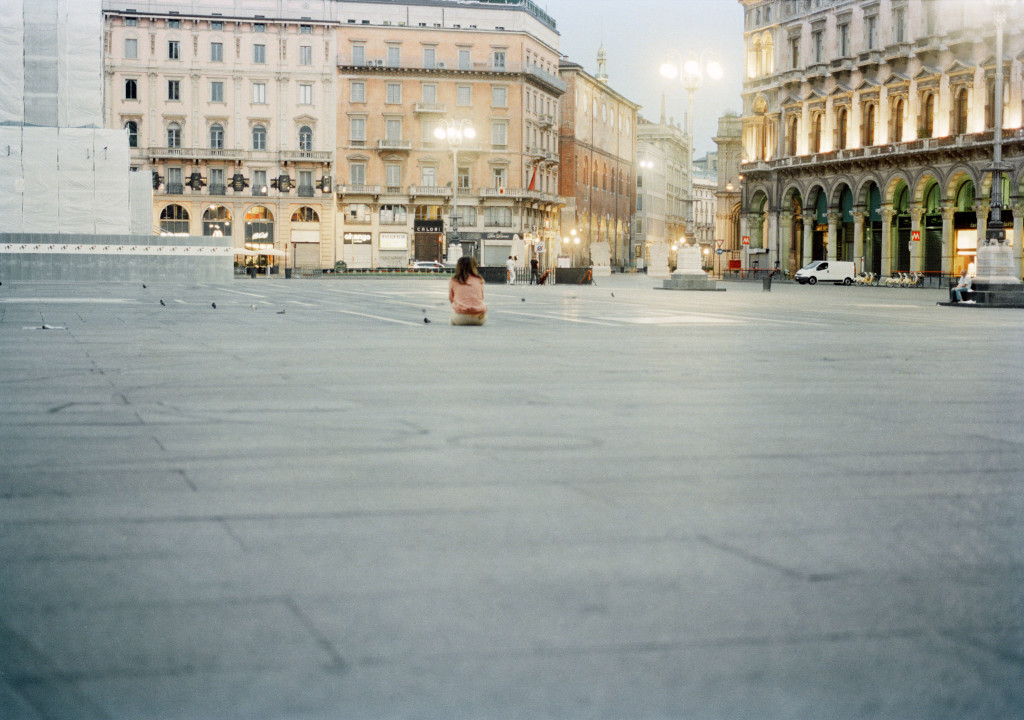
(469, 319)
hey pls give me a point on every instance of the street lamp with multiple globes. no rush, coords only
(691, 75)
(995, 265)
(455, 131)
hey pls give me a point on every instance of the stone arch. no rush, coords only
(892, 185)
(760, 204)
(955, 179)
(923, 183)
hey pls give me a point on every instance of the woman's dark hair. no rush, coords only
(464, 269)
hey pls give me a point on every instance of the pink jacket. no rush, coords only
(467, 299)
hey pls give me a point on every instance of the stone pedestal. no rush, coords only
(600, 258)
(689, 275)
(996, 283)
(659, 261)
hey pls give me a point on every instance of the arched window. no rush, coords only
(816, 133)
(217, 136)
(792, 128)
(217, 222)
(131, 90)
(897, 121)
(132, 128)
(174, 135)
(927, 114)
(174, 220)
(767, 55)
(259, 137)
(960, 112)
(305, 214)
(868, 134)
(305, 138)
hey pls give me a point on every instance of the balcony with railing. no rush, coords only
(392, 144)
(193, 153)
(979, 142)
(306, 155)
(174, 188)
(218, 189)
(306, 191)
(504, 192)
(430, 191)
(431, 108)
(359, 189)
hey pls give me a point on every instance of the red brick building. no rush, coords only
(597, 155)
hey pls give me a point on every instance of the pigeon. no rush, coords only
(613, 294)
(280, 312)
(143, 286)
(426, 321)
(213, 305)
(523, 299)
(252, 307)
(163, 304)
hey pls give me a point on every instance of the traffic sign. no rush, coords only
(718, 243)
(719, 251)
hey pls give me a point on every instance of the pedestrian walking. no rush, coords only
(466, 293)
(534, 271)
(510, 268)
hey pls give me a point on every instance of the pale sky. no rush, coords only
(637, 35)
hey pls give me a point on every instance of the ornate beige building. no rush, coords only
(398, 81)
(305, 130)
(235, 118)
(868, 130)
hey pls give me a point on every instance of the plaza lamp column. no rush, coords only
(691, 73)
(455, 131)
(995, 267)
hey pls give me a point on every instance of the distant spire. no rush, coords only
(663, 108)
(602, 65)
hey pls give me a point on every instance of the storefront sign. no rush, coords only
(394, 241)
(358, 238)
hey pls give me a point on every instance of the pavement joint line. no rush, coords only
(555, 317)
(374, 317)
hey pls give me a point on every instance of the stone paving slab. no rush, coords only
(611, 501)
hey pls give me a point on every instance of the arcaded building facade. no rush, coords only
(868, 132)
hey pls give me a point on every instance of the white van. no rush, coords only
(833, 271)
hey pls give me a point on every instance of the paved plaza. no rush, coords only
(611, 502)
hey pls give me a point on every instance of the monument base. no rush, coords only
(997, 284)
(687, 281)
(602, 270)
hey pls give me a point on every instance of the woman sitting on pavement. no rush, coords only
(466, 294)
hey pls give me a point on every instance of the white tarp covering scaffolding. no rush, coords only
(112, 189)
(75, 180)
(12, 53)
(12, 189)
(51, 52)
(140, 192)
(62, 174)
(67, 180)
(39, 152)
(80, 64)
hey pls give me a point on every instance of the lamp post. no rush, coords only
(455, 131)
(691, 75)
